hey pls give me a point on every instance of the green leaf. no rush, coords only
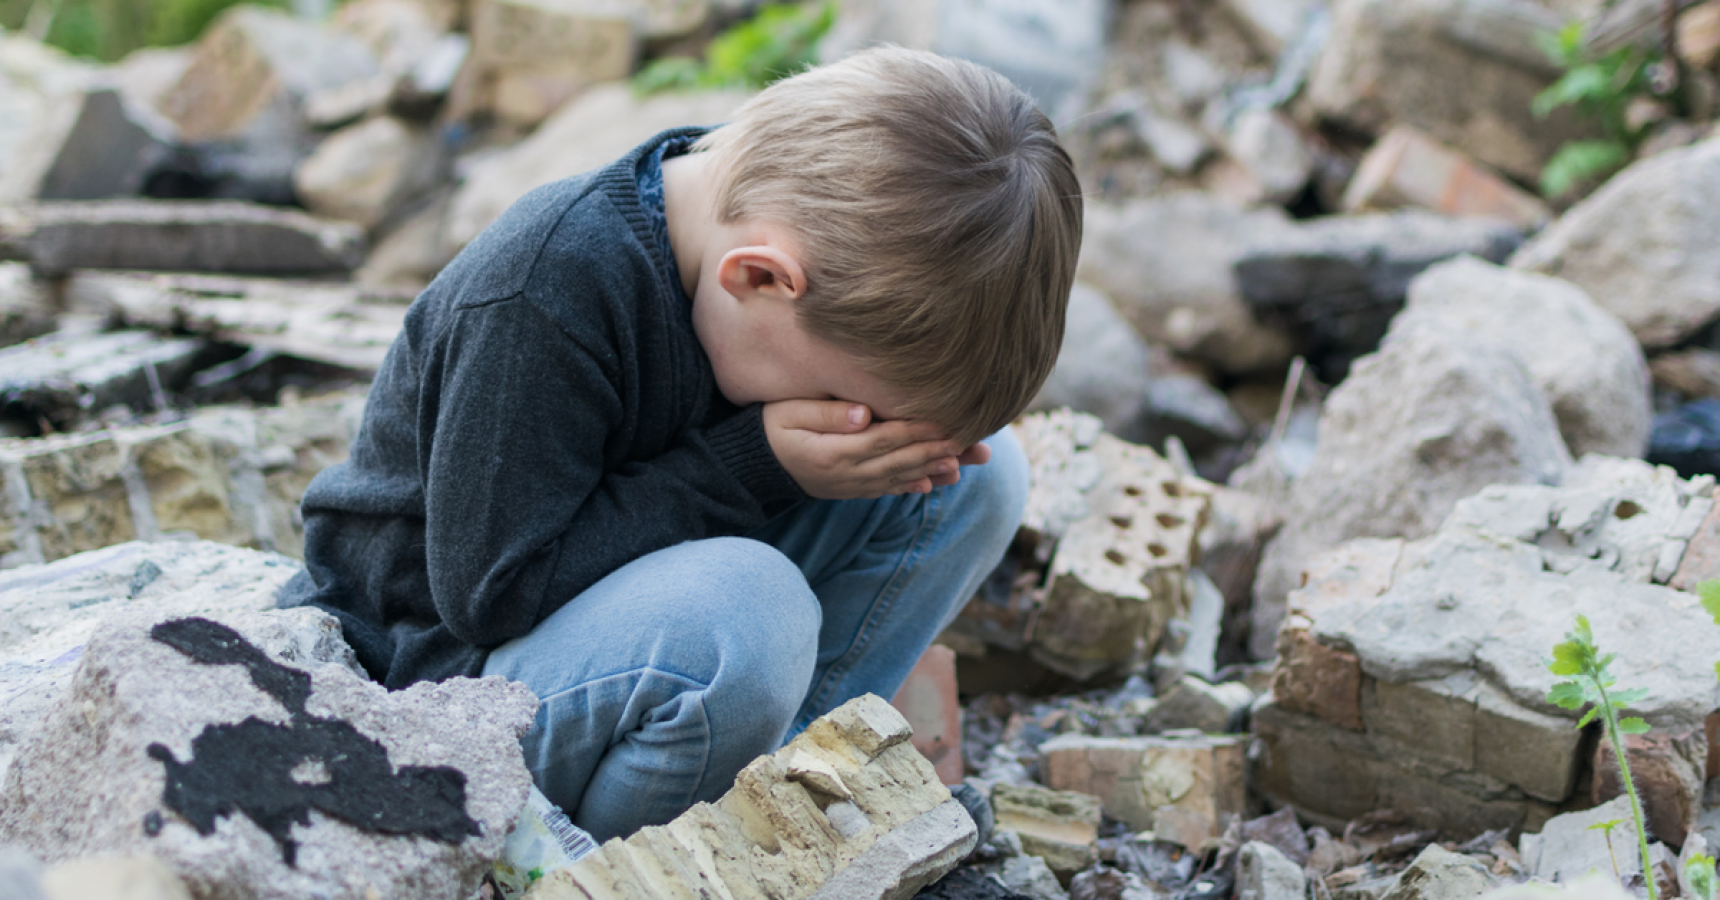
(1709, 591)
(1632, 725)
(1567, 695)
(1589, 83)
(1608, 825)
(1699, 872)
(1621, 699)
(1581, 161)
(1588, 717)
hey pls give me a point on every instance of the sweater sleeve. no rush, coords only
(523, 510)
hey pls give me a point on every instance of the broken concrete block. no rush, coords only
(1118, 573)
(1271, 149)
(1060, 827)
(1192, 703)
(1431, 409)
(63, 375)
(1439, 874)
(1104, 369)
(96, 146)
(1139, 780)
(928, 700)
(1052, 50)
(1669, 772)
(183, 739)
(1580, 355)
(1167, 264)
(48, 612)
(1263, 873)
(1568, 846)
(873, 823)
(529, 57)
(1449, 642)
(337, 323)
(113, 878)
(1465, 72)
(1407, 167)
(593, 130)
(1701, 560)
(363, 173)
(1030, 876)
(1337, 282)
(184, 236)
(26, 311)
(228, 474)
(1634, 245)
(252, 70)
(1316, 680)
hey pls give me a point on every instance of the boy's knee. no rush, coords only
(999, 488)
(741, 584)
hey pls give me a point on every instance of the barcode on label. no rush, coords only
(574, 841)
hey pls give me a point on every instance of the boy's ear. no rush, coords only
(761, 270)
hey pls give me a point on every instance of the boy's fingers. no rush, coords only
(825, 416)
(977, 455)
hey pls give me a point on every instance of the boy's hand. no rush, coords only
(834, 451)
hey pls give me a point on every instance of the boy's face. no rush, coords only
(760, 353)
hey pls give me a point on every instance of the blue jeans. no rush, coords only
(660, 682)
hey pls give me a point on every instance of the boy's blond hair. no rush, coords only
(938, 218)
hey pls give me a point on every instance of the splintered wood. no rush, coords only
(1104, 551)
(849, 810)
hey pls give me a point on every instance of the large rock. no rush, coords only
(1428, 420)
(848, 810)
(1052, 49)
(226, 474)
(48, 612)
(1464, 71)
(1580, 355)
(1107, 370)
(332, 322)
(1439, 874)
(63, 375)
(1443, 713)
(37, 84)
(242, 97)
(1642, 245)
(199, 237)
(602, 124)
(530, 56)
(95, 146)
(363, 173)
(1166, 262)
(183, 738)
(1336, 283)
(1103, 369)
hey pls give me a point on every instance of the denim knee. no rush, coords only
(995, 494)
(763, 617)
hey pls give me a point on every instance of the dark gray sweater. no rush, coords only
(545, 417)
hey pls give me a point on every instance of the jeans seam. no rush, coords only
(931, 515)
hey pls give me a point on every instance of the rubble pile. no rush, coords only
(1353, 419)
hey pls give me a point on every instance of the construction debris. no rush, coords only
(849, 809)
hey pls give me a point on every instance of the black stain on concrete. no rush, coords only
(276, 774)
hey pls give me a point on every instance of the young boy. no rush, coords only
(676, 443)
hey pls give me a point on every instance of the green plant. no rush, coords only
(1584, 667)
(1699, 872)
(109, 29)
(1606, 830)
(1600, 88)
(774, 44)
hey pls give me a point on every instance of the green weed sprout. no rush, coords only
(1699, 870)
(781, 40)
(1578, 660)
(1606, 830)
(1599, 89)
